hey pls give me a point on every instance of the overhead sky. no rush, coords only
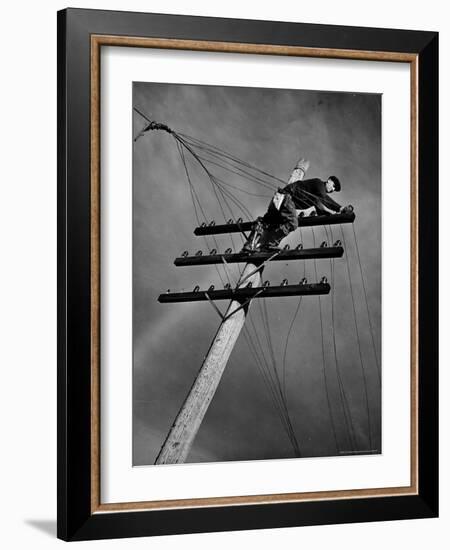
(340, 134)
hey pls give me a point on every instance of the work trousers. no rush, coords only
(284, 218)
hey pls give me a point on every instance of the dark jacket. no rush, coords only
(312, 192)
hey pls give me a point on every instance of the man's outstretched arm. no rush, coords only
(330, 205)
(342, 209)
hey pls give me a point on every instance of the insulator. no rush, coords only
(196, 288)
(299, 246)
(266, 283)
(227, 286)
(323, 281)
(284, 282)
(239, 220)
(230, 221)
(198, 253)
(337, 243)
(213, 251)
(304, 281)
(324, 244)
(286, 247)
(228, 251)
(203, 224)
(211, 288)
(185, 254)
(212, 223)
(249, 285)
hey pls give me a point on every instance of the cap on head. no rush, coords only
(337, 183)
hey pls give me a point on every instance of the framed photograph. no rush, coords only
(247, 255)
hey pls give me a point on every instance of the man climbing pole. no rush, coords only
(298, 198)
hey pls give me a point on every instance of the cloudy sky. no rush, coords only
(340, 133)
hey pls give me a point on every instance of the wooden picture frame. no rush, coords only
(81, 35)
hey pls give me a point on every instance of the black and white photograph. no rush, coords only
(257, 242)
(224, 290)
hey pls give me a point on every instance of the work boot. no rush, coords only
(270, 239)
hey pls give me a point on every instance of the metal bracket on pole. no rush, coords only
(243, 305)
(221, 315)
(225, 265)
(259, 267)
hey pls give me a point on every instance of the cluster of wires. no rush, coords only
(260, 347)
(212, 159)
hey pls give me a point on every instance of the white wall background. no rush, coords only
(28, 273)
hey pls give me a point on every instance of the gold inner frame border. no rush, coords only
(97, 41)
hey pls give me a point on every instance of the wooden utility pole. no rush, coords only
(186, 425)
(182, 434)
